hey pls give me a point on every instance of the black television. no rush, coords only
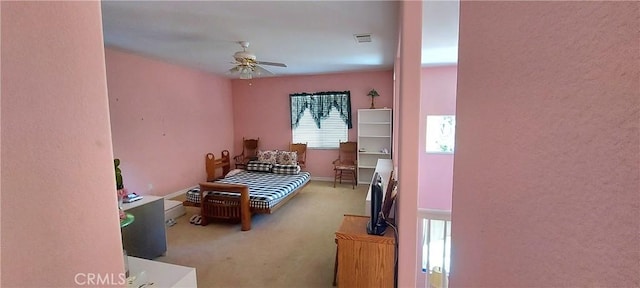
(377, 224)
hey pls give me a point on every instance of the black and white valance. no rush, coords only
(319, 105)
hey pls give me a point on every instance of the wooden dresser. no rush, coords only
(364, 260)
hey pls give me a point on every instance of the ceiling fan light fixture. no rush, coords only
(247, 65)
(246, 73)
(244, 55)
(245, 76)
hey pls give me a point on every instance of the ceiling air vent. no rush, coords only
(362, 38)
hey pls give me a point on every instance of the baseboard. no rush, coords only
(178, 193)
(326, 179)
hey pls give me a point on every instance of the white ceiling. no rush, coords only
(440, 21)
(311, 37)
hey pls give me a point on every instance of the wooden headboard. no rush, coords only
(212, 164)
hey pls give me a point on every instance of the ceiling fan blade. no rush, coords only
(262, 72)
(271, 63)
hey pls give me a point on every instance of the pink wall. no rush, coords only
(0, 154)
(546, 175)
(261, 109)
(396, 105)
(164, 119)
(438, 98)
(59, 206)
(408, 148)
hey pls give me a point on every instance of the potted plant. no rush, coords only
(373, 93)
(119, 187)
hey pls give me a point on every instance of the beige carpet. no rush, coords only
(293, 247)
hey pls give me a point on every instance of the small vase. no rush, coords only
(372, 107)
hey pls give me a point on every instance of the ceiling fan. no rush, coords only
(247, 65)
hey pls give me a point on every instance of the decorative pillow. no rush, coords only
(269, 156)
(286, 169)
(287, 158)
(233, 172)
(259, 166)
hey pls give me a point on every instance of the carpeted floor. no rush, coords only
(293, 247)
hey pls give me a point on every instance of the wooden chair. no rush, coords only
(301, 150)
(249, 152)
(345, 166)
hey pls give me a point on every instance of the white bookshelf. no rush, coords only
(374, 135)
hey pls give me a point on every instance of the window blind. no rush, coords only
(333, 131)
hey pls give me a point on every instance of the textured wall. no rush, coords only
(0, 153)
(396, 104)
(408, 146)
(261, 109)
(546, 174)
(164, 119)
(59, 206)
(436, 170)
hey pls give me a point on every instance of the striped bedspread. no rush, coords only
(265, 189)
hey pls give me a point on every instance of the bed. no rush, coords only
(238, 196)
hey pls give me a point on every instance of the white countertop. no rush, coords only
(145, 199)
(161, 274)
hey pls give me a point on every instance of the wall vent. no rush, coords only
(362, 38)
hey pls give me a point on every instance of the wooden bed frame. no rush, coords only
(211, 166)
(225, 207)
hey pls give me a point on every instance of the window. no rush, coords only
(320, 119)
(333, 131)
(441, 133)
